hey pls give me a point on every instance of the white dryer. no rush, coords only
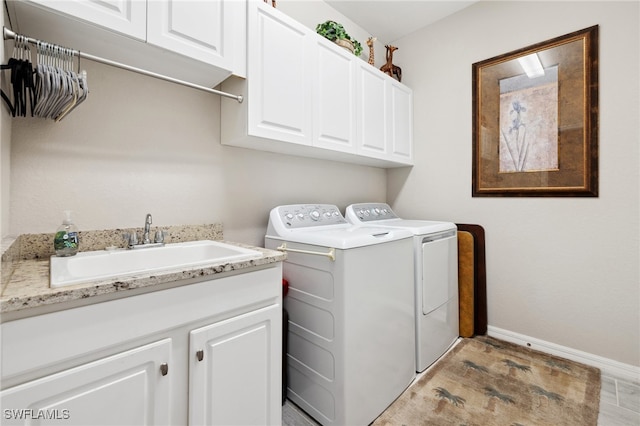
(351, 333)
(435, 274)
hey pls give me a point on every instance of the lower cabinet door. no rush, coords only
(235, 370)
(132, 387)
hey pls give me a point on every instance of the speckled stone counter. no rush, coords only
(25, 270)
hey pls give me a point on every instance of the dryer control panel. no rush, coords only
(367, 212)
(297, 216)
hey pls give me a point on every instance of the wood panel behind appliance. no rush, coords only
(479, 277)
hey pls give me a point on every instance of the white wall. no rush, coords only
(563, 270)
(141, 145)
(5, 146)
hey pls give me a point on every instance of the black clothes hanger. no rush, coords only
(21, 79)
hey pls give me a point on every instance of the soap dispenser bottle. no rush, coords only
(66, 240)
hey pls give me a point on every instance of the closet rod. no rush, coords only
(8, 34)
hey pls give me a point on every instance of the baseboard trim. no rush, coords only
(607, 366)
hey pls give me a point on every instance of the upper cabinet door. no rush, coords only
(373, 125)
(280, 74)
(198, 29)
(401, 144)
(334, 98)
(125, 16)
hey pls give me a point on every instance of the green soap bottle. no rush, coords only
(66, 240)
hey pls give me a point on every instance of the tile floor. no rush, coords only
(619, 405)
(619, 402)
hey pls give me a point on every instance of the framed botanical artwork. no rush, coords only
(535, 120)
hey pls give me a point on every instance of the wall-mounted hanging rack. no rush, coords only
(10, 35)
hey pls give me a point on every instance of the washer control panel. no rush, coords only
(308, 215)
(367, 212)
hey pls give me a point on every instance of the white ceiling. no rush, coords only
(389, 20)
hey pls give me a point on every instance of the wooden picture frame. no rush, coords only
(535, 133)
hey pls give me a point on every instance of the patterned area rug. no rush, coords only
(484, 381)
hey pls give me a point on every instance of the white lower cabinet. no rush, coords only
(203, 353)
(128, 388)
(232, 358)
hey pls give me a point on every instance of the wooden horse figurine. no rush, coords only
(389, 68)
(370, 41)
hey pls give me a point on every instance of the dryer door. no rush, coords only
(439, 270)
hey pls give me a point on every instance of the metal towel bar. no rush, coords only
(8, 34)
(331, 254)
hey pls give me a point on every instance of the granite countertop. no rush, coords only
(25, 270)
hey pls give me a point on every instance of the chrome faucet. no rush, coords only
(147, 228)
(132, 238)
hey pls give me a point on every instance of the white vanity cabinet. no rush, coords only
(126, 388)
(306, 96)
(234, 358)
(202, 42)
(206, 351)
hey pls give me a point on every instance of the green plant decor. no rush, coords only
(333, 31)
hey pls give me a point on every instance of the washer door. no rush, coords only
(438, 275)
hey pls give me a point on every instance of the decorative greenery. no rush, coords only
(333, 31)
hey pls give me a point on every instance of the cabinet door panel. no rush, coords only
(334, 94)
(237, 376)
(372, 119)
(402, 123)
(125, 16)
(197, 29)
(123, 389)
(280, 75)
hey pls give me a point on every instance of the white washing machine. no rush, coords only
(436, 276)
(351, 333)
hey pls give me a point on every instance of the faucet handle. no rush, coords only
(131, 238)
(159, 238)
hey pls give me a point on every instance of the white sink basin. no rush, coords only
(96, 265)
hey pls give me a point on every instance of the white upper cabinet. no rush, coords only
(385, 121)
(202, 42)
(306, 96)
(401, 111)
(202, 30)
(373, 112)
(124, 16)
(335, 98)
(278, 71)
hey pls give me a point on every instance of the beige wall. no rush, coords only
(563, 270)
(5, 146)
